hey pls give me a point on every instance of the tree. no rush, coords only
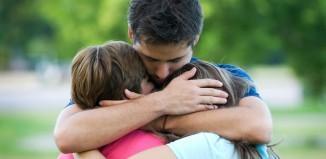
(20, 27)
(251, 32)
(79, 23)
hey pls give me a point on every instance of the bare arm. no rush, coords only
(93, 154)
(161, 152)
(78, 131)
(250, 121)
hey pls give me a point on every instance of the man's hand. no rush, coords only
(183, 96)
(129, 95)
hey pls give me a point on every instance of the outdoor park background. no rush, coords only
(282, 43)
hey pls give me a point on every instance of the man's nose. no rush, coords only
(162, 71)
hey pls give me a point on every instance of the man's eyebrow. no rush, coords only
(154, 59)
(148, 57)
(177, 59)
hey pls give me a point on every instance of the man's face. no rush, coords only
(161, 60)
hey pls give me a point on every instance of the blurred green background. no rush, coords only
(282, 43)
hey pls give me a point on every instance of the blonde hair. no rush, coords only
(235, 86)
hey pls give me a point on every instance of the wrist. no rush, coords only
(154, 102)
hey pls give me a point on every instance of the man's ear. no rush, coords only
(196, 40)
(130, 34)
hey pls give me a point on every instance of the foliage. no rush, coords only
(270, 31)
(79, 23)
(20, 27)
(245, 32)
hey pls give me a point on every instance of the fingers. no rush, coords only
(213, 92)
(207, 83)
(203, 107)
(188, 74)
(132, 95)
(106, 103)
(211, 107)
(212, 100)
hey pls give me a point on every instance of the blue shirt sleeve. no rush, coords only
(70, 103)
(237, 71)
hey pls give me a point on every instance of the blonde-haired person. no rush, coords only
(209, 145)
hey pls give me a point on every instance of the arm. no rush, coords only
(250, 121)
(161, 152)
(93, 154)
(81, 130)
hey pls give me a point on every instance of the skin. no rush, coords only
(251, 121)
(146, 88)
(75, 126)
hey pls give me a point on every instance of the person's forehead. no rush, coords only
(163, 52)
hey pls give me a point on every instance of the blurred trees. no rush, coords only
(79, 23)
(245, 32)
(270, 31)
(23, 32)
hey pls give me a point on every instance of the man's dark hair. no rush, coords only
(165, 21)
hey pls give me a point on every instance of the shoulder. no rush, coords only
(236, 71)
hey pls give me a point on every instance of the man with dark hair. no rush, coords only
(164, 32)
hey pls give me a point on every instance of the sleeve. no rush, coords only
(70, 103)
(237, 71)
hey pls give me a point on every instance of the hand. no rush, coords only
(184, 96)
(132, 95)
(129, 95)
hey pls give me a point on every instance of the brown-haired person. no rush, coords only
(104, 72)
(164, 33)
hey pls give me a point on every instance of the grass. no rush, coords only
(17, 128)
(300, 131)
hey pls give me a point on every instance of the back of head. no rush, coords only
(103, 72)
(234, 86)
(165, 21)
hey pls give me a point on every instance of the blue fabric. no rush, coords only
(262, 150)
(71, 102)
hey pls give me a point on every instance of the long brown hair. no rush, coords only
(103, 72)
(235, 86)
